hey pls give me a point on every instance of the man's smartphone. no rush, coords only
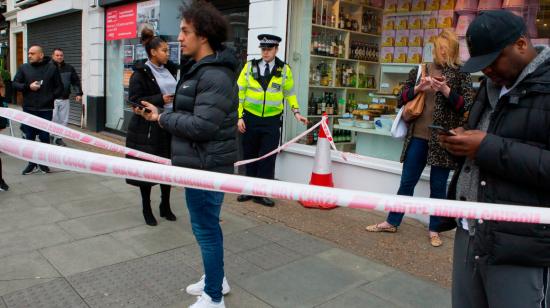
(138, 105)
(441, 130)
(40, 82)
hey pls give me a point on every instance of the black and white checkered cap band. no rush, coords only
(266, 41)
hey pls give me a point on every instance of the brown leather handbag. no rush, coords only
(413, 109)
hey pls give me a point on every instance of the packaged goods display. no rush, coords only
(361, 52)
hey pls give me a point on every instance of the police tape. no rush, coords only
(282, 147)
(66, 132)
(99, 164)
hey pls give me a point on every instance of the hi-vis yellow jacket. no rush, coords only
(258, 102)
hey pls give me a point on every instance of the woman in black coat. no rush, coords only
(153, 81)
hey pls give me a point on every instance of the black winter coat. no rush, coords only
(69, 77)
(51, 88)
(143, 135)
(514, 162)
(204, 121)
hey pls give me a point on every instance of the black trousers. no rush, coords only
(259, 139)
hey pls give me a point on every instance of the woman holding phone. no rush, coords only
(448, 96)
(154, 81)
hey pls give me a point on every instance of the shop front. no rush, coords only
(124, 21)
(350, 58)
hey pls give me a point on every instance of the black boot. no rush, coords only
(148, 214)
(165, 210)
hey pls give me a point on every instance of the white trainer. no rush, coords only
(198, 287)
(204, 301)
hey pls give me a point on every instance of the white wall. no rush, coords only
(267, 16)
(295, 164)
(93, 58)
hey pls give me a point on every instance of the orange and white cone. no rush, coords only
(322, 170)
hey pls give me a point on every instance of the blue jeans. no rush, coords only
(204, 209)
(31, 132)
(415, 162)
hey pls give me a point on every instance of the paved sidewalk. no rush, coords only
(77, 240)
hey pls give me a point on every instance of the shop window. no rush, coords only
(123, 47)
(351, 57)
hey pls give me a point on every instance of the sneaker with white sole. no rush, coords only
(30, 169)
(205, 301)
(198, 287)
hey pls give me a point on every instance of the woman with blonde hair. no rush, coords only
(448, 96)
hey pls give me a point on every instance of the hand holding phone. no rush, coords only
(441, 130)
(138, 105)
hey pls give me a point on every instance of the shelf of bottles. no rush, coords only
(344, 59)
(341, 56)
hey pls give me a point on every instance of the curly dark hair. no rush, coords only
(207, 21)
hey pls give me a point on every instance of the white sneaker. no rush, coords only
(204, 301)
(198, 287)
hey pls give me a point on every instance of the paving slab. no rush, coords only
(239, 269)
(145, 240)
(232, 223)
(106, 202)
(54, 294)
(139, 297)
(349, 262)
(244, 240)
(103, 223)
(306, 283)
(24, 270)
(406, 291)
(270, 256)
(274, 232)
(101, 281)
(356, 298)
(304, 244)
(15, 242)
(84, 255)
(29, 217)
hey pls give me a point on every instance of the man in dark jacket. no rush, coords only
(69, 77)
(506, 150)
(203, 126)
(40, 83)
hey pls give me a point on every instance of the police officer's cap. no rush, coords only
(269, 40)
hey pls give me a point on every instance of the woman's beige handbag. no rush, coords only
(413, 109)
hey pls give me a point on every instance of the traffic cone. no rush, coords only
(322, 170)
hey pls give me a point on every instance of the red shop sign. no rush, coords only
(121, 22)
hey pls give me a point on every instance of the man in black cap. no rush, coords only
(505, 147)
(264, 84)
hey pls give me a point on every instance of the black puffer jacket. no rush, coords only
(51, 88)
(204, 121)
(144, 135)
(514, 162)
(69, 77)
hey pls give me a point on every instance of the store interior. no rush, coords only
(358, 53)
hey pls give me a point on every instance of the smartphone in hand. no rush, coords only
(441, 130)
(138, 105)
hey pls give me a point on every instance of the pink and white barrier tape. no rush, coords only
(65, 132)
(100, 164)
(282, 147)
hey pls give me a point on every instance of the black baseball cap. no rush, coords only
(488, 35)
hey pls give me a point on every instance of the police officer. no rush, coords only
(263, 85)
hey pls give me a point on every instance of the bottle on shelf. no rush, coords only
(314, 12)
(341, 20)
(324, 17)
